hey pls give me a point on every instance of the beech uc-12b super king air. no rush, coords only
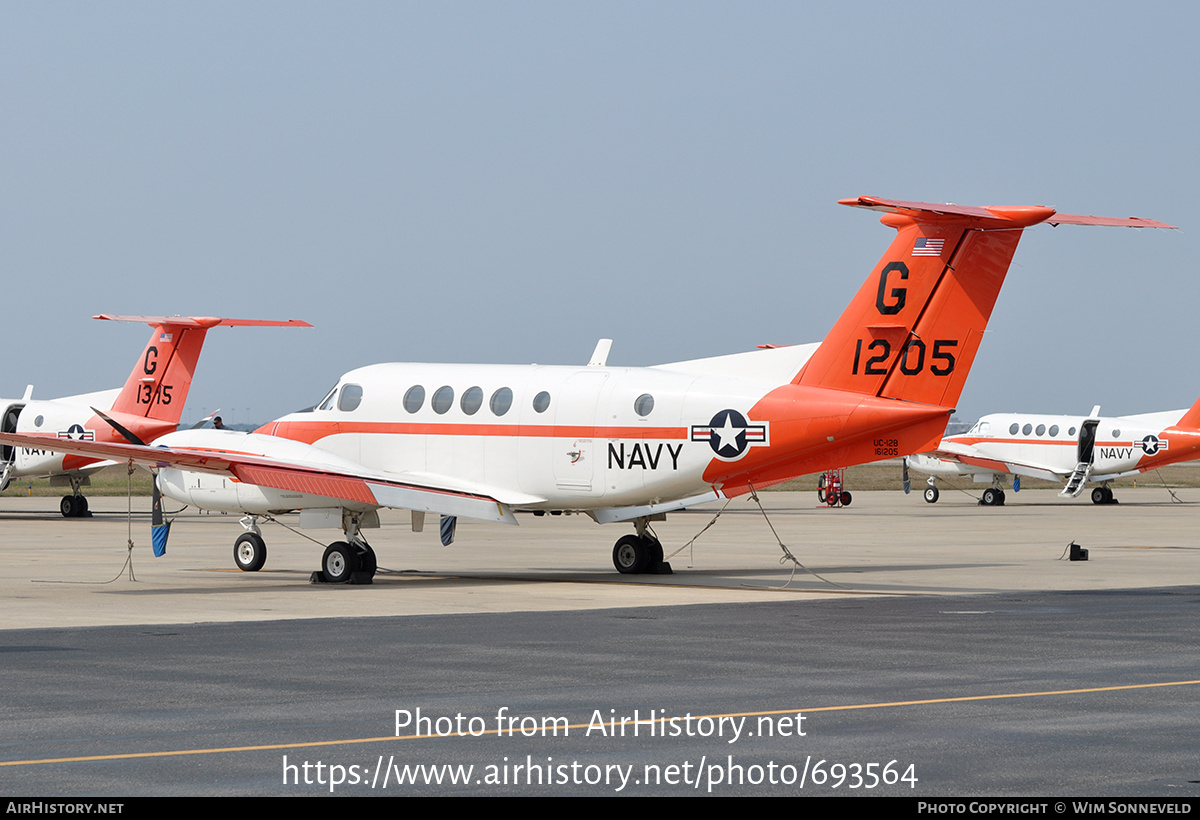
(1076, 450)
(148, 406)
(618, 443)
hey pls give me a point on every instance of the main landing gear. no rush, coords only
(74, 505)
(640, 553)
(347, 562)
(1103, 495)
(351, 561)
(992, 497)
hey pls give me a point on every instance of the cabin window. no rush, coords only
(644, 404)
(1117, 433)
(472, 400)
(501, 401)
(541, 402)
(1053, 430)
(1071, 432)
(350, 398)
(1012, 431)
(37, 422)
(414, 398)
(1027, 429)
(443, 399)
(1041, 430)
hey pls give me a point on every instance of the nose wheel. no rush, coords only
(250, 552)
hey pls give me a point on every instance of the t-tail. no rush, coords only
(913, 329)
(151, 402)
(887, 376)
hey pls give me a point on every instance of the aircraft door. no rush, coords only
(1085, 453)
(8, 424)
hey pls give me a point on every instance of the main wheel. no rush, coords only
(631, 554)
(366, 558)
(81, 506)
(1002, 499)
(991, 497)
(846, 498)
(67, 506)
(250, 552)
(339, 561)
(931, 495)
(1098, 495)
(656, 553)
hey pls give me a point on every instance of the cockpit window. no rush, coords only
(327, 402)
(350, 398)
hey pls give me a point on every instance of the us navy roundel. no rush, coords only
(1151, 444)
(730, 435)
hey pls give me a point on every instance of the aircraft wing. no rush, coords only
(965, 454)
(333, 478)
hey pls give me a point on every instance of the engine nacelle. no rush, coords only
(220, 491)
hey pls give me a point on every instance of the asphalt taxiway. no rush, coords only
(949, 637)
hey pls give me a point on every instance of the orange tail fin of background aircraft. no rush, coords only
(151, 402)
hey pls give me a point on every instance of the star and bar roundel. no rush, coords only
(730, 435)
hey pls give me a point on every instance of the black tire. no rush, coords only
(67, 506)
(931, 495)
(339, 562)
(991, 497)
(1098, 495)
(1108, 495)
(656, 553)
(846, 498)
(249, 552)
(366, 559)
(631, 554)
(1002, 498)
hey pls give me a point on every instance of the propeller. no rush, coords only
(126, 434)
(159, 527)
(205, 420)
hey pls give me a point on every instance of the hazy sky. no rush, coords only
(508, 182)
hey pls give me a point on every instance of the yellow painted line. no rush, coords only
(516, 731)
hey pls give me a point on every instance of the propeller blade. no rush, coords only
(205, 420)
(128, 436)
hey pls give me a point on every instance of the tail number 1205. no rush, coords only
(912, 357)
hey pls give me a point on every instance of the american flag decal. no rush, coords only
(163, 338)
(928, 247)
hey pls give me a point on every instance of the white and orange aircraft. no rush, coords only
(1077, 450)
(618, 443)
(148, 406)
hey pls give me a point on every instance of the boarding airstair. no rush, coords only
(1085, 456)
(1078, 480)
